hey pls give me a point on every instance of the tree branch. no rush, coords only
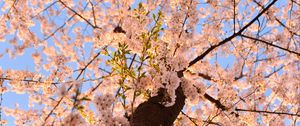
(270, 44)
(190, 118)
(27, 80)
(58, 103)
(1, 97)
(282, 24)
(216, 102)
(234, 16)
(60, 27)
(268, 112)
(79, 15)
(93, 11)
(200, 57)
(46, 8)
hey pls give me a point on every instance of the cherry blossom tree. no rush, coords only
(154, 62)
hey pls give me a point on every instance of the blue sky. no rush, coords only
(25, 62)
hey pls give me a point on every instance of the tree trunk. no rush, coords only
(152, 113)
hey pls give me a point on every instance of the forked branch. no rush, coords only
(200, 57)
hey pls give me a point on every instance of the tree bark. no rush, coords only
(153, 113)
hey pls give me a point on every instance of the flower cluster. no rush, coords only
(74, 119)
(103, 104)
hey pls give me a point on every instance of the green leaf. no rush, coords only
(85, 99)
(138, 93)
(79, 107)
(154, 16)
(159, 14)
(140, 5)
(143, 75)
(123, 97)
(148, 45)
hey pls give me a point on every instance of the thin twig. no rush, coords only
(46, 8)
(60, 27)
(200, 57)
(234, 6)
(12, 6)
(79, 15)
(270, 44)
(269, 112)
(275, 71)
(278, 21)
(1, 98)
(93, 11)
(27, 80)
(134, 93)
(190, 118)
(185, 19)
(58, 103)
